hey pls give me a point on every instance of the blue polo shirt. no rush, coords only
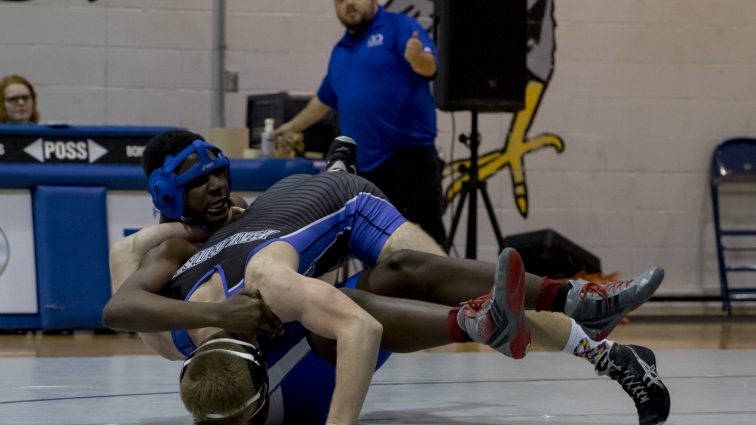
(383, 104)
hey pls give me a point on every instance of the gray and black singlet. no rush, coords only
(325, 217)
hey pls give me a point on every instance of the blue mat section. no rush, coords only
(71, 244)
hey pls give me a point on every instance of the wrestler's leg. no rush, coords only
(411, 325)
(429, 277)
(412, 265)
(409, 236)
(550, 331)
(449, 281)
(408, 273)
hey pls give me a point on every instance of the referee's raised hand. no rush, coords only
(413, 48)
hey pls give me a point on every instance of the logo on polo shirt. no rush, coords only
(375, 40)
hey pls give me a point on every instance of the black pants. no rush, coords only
(411, 180)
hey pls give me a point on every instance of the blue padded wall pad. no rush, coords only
(71, 244)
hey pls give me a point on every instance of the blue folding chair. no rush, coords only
(733, 161)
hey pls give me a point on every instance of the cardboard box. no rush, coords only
(233, 141)
(547, 253)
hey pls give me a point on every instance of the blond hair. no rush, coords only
(217, 383)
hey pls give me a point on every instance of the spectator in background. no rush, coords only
(18, 103)
(379, 81)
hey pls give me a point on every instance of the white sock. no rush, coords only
(579, 344)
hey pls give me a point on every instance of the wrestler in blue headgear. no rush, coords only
(188, 164)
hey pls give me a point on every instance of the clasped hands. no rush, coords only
(246, 314)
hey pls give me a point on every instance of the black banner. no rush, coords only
(72, 149)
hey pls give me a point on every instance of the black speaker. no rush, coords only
(482, 50)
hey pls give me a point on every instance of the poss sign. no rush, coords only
(75, 145)
(65, 150)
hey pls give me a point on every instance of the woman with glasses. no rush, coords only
(18, 101)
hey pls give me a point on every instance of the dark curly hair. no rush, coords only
(164, 144)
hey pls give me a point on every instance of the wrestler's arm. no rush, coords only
(126, 254)
(137, 307)
(326, 311)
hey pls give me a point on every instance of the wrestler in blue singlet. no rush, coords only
(326, 218)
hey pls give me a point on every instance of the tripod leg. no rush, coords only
(455, 219)
(491, 215)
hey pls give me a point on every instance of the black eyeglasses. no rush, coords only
(18, 99)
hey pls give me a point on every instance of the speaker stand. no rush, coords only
(469, 192)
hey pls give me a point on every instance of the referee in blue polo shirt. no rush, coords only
(379, 80)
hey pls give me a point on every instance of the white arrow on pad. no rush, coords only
(95, 151)
(35, 150)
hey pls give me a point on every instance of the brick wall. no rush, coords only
(641, 94)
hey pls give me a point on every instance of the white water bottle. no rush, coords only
(267, 140)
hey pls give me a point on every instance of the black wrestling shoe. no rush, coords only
(342, 149)
(634, 368)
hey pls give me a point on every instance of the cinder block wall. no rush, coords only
(641, 94)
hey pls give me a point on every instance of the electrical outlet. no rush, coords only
(231, 81)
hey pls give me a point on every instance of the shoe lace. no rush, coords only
(634, 385)
(603, 290)
(636, 388)
(476, 303)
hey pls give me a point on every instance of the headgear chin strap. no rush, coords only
(167, 187)
(257, 370)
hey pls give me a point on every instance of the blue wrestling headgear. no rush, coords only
(167, 187)
(257, 370)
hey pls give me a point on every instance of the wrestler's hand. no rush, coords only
(233, 214)
(247, 314)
